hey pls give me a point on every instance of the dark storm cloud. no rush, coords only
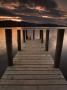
(26, 9)
(5, 12)
(44, 3)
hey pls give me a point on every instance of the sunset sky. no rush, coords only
(36, 11)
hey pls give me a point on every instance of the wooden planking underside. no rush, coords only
(33, 69)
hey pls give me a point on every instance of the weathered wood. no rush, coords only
(8, 34)
(33, 34)
(24, 36)
(60, 37)
(47, 40)
(19, 39)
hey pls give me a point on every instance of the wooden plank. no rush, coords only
(33, 72)
(30, 77)
(42, 87)
(45, 66)
(33, 82)
(31, 68)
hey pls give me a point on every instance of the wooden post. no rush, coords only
(24, 36)
(33, 34)
(60, 36)
(19, 39)
(47, 40)
(41, 36)
(8, 34)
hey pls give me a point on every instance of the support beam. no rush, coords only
(33, 34)
(8, 34)
(47, 40)
(24, 36)
(19, 39)
(60, 36)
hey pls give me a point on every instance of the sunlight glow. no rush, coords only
(10, 18)
(46, 16)
(39, 8)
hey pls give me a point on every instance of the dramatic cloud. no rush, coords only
(35, 10)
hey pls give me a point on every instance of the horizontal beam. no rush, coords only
(36, 28)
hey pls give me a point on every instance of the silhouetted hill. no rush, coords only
(10, 23)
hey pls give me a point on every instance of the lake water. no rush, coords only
(52, 47)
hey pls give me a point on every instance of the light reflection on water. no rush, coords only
(52, 47)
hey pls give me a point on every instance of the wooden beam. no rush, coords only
(8, 34)
(60, 36)
(24, 36)
(47, 40)
(19, 39)
(33, 34)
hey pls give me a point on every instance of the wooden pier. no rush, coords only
(33, 69)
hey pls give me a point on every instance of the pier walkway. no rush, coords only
(33, 69)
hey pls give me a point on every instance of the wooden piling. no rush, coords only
(41, 36)
(60, 36)
(19, 39)
(47, 40)
(8, 34)
(33, 34)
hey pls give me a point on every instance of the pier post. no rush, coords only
(8, 34)
(24, 36)
(60, 36)
(47, 40)
(19, 39)
(33, 34)
(41, 36)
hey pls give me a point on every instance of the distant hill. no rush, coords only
(9, 23)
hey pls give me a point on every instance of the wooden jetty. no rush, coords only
(33, 69)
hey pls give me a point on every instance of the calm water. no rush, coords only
(52, 47)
